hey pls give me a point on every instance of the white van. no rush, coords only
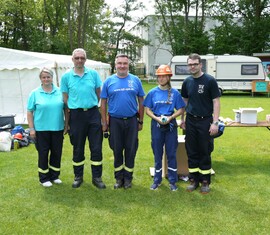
(232, 72)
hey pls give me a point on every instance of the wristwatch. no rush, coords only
(140, 122)
(215, 123)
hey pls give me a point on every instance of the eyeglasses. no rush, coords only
(79, 58)
(190, 65)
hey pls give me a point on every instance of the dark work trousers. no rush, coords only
(124, 143)
(86, 124)
(49, 146)
(199, 145)
(164, 137)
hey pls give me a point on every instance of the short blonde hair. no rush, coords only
(46, 70)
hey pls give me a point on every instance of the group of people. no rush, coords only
(74, 109)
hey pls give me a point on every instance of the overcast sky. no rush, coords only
(141, 14)
(148, 3)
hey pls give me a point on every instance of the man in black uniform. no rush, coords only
(201, 94)
(81, 92)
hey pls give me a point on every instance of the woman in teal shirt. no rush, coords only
(45, 115)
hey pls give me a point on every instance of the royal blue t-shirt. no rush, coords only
(161, 103)
(121, 95)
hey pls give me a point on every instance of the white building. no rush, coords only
(157, 53)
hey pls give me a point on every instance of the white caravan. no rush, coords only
(232, 72)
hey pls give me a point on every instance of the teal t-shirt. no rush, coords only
(81, 90)
(47, 108)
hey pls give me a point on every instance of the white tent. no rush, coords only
(19, 75)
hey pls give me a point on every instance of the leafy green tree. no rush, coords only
(244, 28)
(18, 22)
(120, 37)
(226, 36)
(86, 26)
(184, 34)
(55, 26)
(53, 23)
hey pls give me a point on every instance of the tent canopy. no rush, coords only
(19, 75)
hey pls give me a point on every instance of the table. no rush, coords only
(258, 124)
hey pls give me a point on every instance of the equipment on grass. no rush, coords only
(18, 136)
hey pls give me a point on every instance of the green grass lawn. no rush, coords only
(238, 202)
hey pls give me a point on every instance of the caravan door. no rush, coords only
(211, 67)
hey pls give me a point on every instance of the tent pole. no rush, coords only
(56, 73)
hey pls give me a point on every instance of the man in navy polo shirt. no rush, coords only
(201, 94)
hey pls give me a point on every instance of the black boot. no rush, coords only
(77, 182)
(98, 183)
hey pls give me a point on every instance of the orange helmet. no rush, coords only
(164, 70)
(18, 136)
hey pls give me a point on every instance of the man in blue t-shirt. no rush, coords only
(124, 95)
(81, 91)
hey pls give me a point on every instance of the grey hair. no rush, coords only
(79, 50)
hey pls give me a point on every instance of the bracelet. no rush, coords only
(140, 122)
(31, 129)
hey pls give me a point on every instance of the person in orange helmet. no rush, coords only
(163, 104)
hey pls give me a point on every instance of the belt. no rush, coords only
(195, 116)
(84, 109)
(124, 118)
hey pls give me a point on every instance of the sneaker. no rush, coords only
(154, 186)
(57, 181)
(193, 185)
(205, 187)
(46, 184)
(173, 187)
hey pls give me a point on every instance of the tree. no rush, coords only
(119, 34)
(18, 23)
(85, 26)
(54, 26)
(184, 34)
(243, 26)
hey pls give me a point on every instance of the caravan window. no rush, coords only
(249, 69)
(181, 70)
